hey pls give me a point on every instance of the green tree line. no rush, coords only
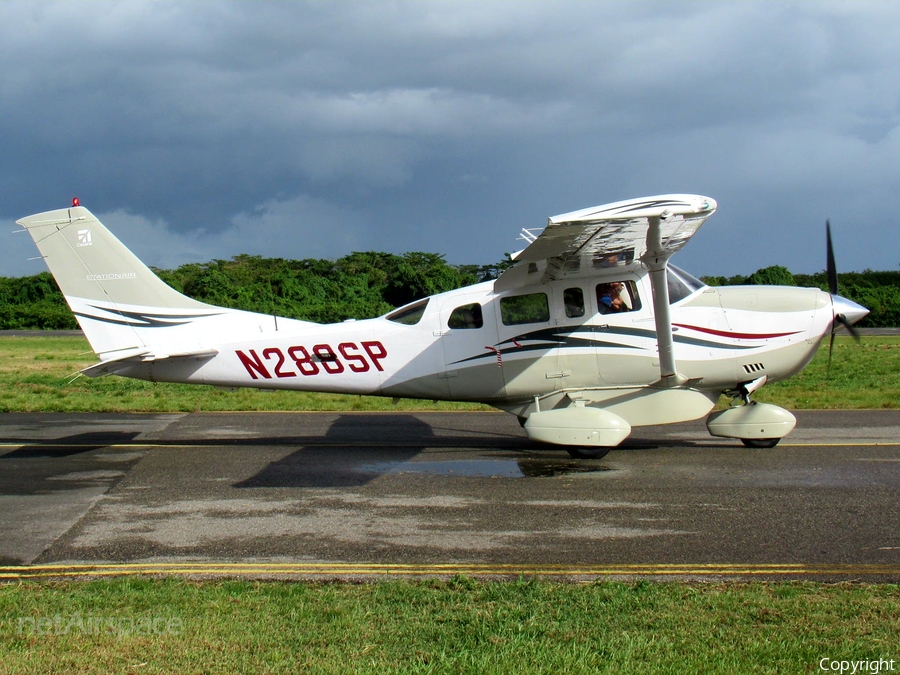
(357, 286)
(368, 284)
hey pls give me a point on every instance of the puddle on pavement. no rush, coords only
(489, 468)
(540, 468)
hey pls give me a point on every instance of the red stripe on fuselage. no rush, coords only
(739, 336)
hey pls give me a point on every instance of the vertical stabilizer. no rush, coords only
(112, 293)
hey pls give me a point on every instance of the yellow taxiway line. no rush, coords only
(333, 570)
(365, 444)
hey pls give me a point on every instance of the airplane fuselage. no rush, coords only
(524, 345)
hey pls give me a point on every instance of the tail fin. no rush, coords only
(115, 297)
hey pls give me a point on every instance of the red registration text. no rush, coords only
(305, 361)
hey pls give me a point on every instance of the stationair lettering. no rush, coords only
(320, 359)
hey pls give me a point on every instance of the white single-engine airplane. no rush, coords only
(590, 333)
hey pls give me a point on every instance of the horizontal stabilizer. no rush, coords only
(115, 365)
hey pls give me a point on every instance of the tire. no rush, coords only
(587, 453)
(760, 442)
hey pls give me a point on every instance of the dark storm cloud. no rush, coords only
(202, 130)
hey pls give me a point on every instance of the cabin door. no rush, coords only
(469, 335)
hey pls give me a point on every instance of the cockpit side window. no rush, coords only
(410, 314)
(617, 296)
(681, 284)
(467, 316)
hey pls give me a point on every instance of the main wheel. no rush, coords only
(587, 453)
(760, 442)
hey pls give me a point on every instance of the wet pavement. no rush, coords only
(434, 488)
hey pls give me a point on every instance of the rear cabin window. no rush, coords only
(467, 316)
(573, 299)
(617, 297)
(519, 309)
(409, 314)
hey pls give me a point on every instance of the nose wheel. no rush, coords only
(756, 425)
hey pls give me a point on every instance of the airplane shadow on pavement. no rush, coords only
(356, 449)
(351, 443)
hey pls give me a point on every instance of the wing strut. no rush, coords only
(656, 258)
(645, 232)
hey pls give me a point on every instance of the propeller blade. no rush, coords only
(841, 319)
(831, 273)
(830, 351)
(842, 307)
(830, 268)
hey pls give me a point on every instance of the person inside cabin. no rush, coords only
(609, 297)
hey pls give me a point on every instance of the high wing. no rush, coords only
(589, 242)
(611, 238)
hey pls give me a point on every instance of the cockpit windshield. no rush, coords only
(681, 284)
(409, 314)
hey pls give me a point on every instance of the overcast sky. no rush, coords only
(201, 130)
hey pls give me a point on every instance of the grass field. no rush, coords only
(35, 375)
(456, 626)
(136, 625)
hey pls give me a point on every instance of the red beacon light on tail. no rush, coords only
(75, 201)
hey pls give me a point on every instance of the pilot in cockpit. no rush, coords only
(609, 297)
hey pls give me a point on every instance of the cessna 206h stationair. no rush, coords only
(590, 333)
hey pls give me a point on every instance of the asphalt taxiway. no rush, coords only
(363, 494)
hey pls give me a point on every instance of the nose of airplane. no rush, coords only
(848, 309)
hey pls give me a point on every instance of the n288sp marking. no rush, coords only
(319, 359)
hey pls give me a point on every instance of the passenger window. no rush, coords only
(467, 316)
(573, 299)
(518, 309)
(617, 296)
